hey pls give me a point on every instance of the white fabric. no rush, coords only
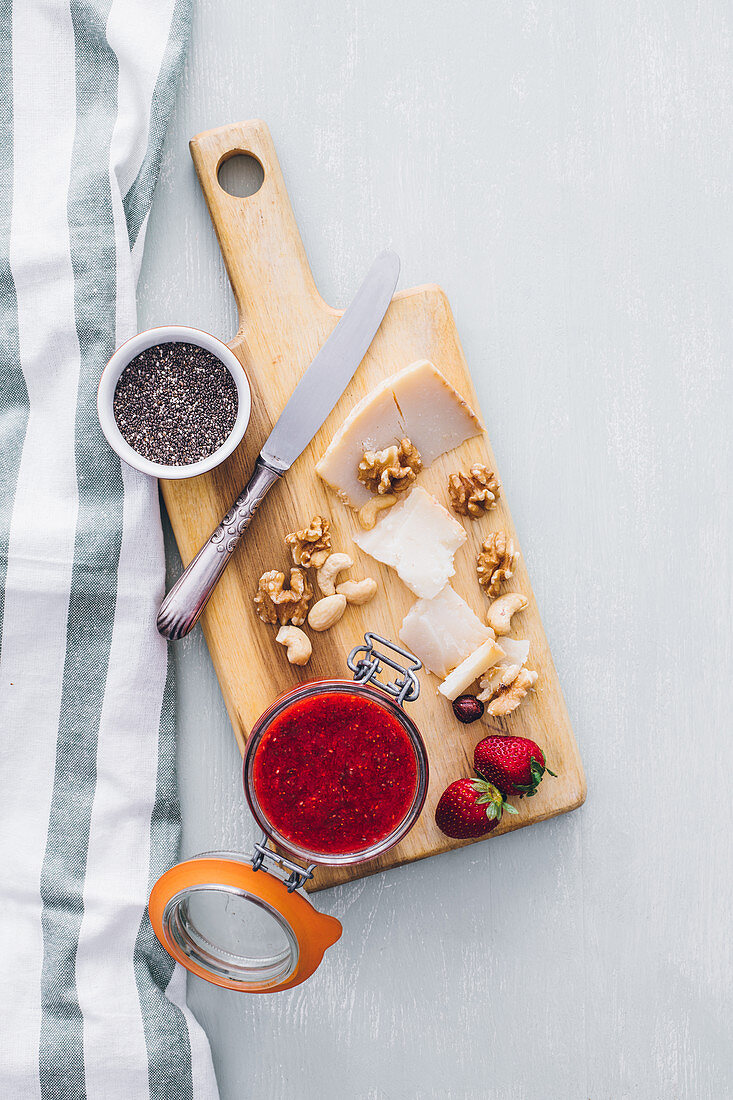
(43, 550)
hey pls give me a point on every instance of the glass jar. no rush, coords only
(246, 923)
(331, 693)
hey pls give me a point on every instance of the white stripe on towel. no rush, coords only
(138, 32)
(39, 569)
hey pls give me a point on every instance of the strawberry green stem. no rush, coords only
(492, 798)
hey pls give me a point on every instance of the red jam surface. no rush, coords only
(335, 773)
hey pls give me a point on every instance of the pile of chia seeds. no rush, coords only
(175, 403)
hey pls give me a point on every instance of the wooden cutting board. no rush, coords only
(283, 323)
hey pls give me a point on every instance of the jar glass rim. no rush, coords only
(336, 686)
(237, 966)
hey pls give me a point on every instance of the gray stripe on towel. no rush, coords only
(166, 1031)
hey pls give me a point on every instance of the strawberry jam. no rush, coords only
(335, 772)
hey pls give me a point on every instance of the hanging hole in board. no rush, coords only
(241, 175)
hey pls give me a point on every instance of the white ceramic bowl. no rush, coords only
(166, 335)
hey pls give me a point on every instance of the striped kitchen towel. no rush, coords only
(90, 1006)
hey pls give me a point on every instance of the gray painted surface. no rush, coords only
(563, 171)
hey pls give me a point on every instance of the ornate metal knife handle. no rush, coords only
(182, 607)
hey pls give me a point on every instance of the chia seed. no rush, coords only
(175, 403)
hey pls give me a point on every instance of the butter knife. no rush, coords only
(308, 406)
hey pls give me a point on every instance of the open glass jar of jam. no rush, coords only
(335, 772)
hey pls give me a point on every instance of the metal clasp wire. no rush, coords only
(297, 877)
(367, 668)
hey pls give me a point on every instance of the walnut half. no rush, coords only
(276, 604)
(496, 562)
(392, 470)
(474, 493)
(311, 540)
(507, 697)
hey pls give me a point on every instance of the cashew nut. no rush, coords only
(368, 514)
(499, 615)
(297, 642)
(326, 612)
(332, 566)
(358, 592)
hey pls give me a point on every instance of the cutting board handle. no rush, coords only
(258, 235)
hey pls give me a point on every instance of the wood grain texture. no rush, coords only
(282, 323)
(564, 171)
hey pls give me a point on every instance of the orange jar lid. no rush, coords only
(238, 927)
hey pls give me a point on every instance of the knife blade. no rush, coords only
(318, 391)
(310, 403)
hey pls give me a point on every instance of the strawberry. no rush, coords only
(515, 764)
(470, 807)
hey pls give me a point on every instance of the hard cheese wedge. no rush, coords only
(442, 631)
(416, 402)
(475, 665)
(418, 537)
(516, 651)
